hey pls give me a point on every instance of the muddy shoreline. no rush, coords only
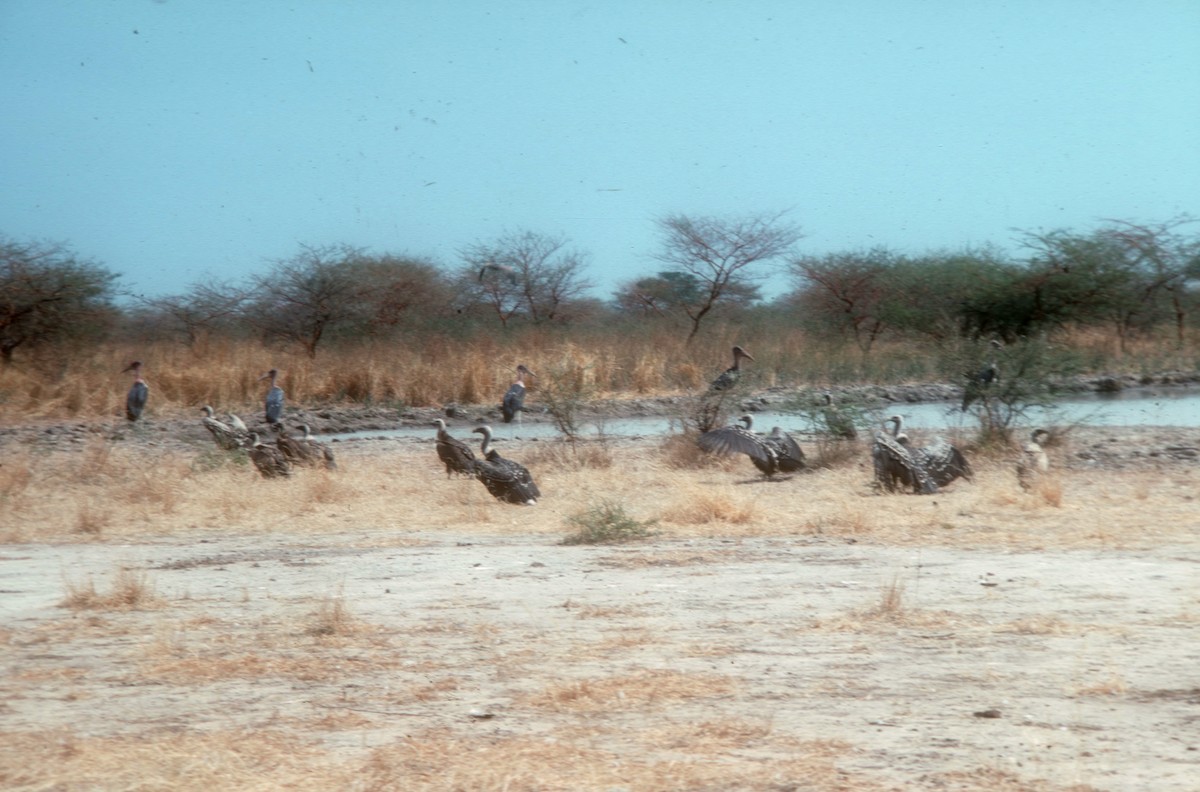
(1103, 446)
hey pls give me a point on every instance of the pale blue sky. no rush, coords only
(178, 140)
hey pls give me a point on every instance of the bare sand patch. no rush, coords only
(383, 627)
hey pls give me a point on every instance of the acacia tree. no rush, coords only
(668, 295)
(926, 293)
(845, 292)
(204, 309)
(525, 273)
(303, 298)
(398, 292)
(1166, 259)
(47, 294)
(719, 253)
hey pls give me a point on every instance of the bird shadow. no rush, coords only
(765, 480)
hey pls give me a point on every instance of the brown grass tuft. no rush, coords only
(703, 506)
(257, 759)
(679, 451)
(91, 519)
(1050, 490)
(1038, 625)
(131, 590)
(565, 455)
(1113, 685)
(439, 760)
(891, 601)
(332, 617)
(636, 691)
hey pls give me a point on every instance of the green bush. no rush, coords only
(606, 523)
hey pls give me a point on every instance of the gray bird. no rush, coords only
(895, 467)
(730, 376)
(273, 403)
(775, 453)
(507, 480)
(269, 460)
(942, 461)
(979, 383)
(226, 437)
(514, 398)
(139, 392)
(1033, 463)
(319, 452)
(492, 268)
(456, 455)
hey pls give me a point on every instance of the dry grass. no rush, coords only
(224, 374)
(580, 455)
(130, 589)
(333, 617)
(115, 490)
(891, 602)
(440, 761)
(633, 361)
(242, 760)
(702, 505)
(1049, 490)
(1112, 685)
(637, 691)
(1040, 625)
(305, 689)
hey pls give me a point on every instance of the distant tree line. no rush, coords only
(1126, 277)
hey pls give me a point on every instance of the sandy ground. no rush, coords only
(411, 656)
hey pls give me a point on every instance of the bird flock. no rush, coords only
(898, 465)
(272, 460)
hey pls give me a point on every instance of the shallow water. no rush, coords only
(1166, 407)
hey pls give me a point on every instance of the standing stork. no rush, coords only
(269, 460)
(139, 391)
(710, 404)
(730, 376)
(1034, 463)
(895, 466)
(456, 455)
(507, 480)
(226, 437)
(514, 398)
(981, 381)
(775, 453)
(942, 461)
(273, 404)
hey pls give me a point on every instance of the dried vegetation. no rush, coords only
(313, 688)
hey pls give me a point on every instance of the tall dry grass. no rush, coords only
(65, 383)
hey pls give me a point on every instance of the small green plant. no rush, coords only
(214, 459)
(1024, 376)
(830, 419)
(606, 523)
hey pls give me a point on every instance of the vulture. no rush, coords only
(507, 480)
(775, 453)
